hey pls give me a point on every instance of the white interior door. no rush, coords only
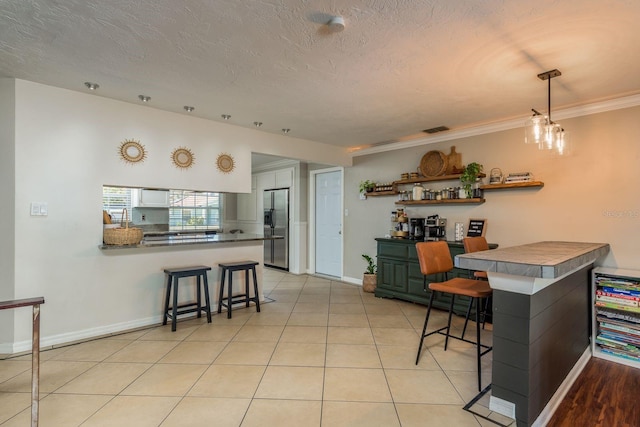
(328, 223)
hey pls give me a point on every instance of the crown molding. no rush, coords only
(567, 113)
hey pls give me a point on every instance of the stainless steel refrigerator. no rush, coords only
(276, 223)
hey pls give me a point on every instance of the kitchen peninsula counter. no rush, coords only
(170, 239)
(541, 322)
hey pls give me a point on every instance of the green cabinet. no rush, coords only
(399, 274)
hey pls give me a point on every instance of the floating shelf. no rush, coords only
(381, 193)
(530, 184)
(432, 178)
(441, 202)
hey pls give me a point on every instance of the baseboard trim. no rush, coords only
(47, 343)
(352, 280)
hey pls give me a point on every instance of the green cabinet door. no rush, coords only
(392, 274)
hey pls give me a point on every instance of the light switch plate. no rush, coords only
(39, 209)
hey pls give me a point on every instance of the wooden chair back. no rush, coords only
(434, 257)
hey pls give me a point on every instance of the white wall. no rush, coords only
(66, 148)
(591, 196)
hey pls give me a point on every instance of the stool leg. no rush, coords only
(446, 340)
(229, 295)
(198, 299)
(207, 303)
(424, 328)
(486, 310)
(478, 342)
(246, 288)
(255, 289)
(466, 319)
(166, 300)
(221, 293)
(175, 304)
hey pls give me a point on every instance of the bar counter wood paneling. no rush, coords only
(541, 321)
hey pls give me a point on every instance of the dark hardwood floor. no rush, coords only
(606, 394)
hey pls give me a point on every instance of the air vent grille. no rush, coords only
(436, 129)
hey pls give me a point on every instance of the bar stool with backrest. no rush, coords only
(246, 266)
(435, 258)
(476, 244)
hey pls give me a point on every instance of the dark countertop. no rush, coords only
(154, 240)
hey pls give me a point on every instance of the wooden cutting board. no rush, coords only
(455, 161)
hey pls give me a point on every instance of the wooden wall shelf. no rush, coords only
(531, 184)
(432, 178)
(441, 202)
(381, 193)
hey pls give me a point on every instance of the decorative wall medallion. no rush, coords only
(182, 157)
(132, 151)
(225, 163)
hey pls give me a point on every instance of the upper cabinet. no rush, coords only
(147, 198)
(284, 178)
(247, 203)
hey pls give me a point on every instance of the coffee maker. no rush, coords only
(416, 228)
(435, 228)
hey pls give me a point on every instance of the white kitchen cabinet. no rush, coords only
(148, 198)
(284, 178)
(247, 203)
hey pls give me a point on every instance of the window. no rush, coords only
(194, 210)
(188, 210)
(115, 200)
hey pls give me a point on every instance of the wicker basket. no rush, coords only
(434, 163)
(122, 236)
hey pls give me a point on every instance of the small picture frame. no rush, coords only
(477, 227)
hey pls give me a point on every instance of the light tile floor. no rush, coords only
(323, 353)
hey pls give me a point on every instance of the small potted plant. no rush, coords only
(370, 279)
(469, 177)
(367, 186)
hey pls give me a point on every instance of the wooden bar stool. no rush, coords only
(173, 276)
(231, 299)
(435, 258)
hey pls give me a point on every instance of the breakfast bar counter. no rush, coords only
(181, 239)
(541, 320)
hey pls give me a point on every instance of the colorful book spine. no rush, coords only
(618, 306)
(617, 300)
(620, 291)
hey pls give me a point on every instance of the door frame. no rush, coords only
(311, 268)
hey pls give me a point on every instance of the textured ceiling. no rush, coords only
(400, 66)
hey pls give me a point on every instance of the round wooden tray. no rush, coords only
(434, 163)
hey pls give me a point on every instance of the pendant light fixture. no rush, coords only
(543, 131)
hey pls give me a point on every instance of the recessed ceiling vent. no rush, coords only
(436, 129)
